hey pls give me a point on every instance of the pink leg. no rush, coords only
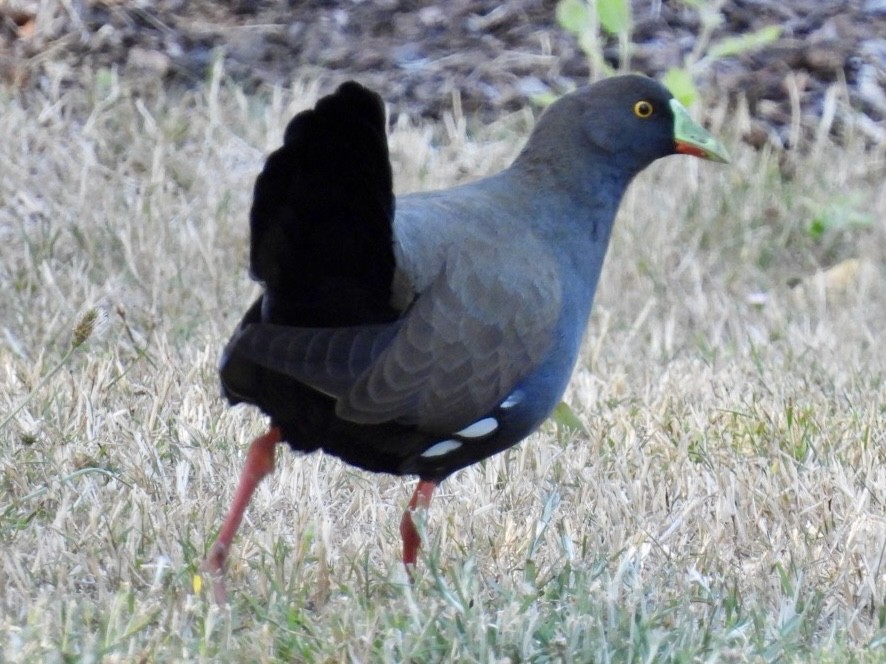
(411, 539)
(259, 463)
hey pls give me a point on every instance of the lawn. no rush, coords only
(720, 497)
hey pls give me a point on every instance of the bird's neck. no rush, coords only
(574, 203)
(580, 180)
(573, 207)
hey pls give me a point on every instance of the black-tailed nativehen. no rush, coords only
(420, 334)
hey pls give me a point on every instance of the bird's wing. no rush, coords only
(327, 359)
(485, 322)
(459, 351)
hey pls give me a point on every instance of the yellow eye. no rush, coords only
(643, 109)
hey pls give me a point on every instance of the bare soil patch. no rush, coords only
(495, 56)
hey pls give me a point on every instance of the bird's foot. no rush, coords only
(214, 568)
(259, 463)
(411, 544)
(421, 499)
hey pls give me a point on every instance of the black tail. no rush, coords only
(322, 216)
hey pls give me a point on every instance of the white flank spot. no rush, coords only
(512, 400)
(479, 428)
(441, 448)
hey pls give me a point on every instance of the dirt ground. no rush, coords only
(496, 55)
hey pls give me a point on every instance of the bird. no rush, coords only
(420, 334)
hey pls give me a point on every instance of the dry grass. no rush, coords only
(726, 503)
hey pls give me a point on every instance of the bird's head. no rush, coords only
(640, 119)
(625, 121)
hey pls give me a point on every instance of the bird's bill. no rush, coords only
(693, 139)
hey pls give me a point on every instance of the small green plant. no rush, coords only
(843, 212)
(681, 80)
(592, 21)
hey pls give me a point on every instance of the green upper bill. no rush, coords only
(691, 138)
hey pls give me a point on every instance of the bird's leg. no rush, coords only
(259, 463)
(411, 539)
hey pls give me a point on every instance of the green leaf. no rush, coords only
(544, 99)
(744, 43)
(841, 213)
(817, 228)
(614, 15)
(590, 45)
(680, 83)
(566, 420)
(573, 15)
